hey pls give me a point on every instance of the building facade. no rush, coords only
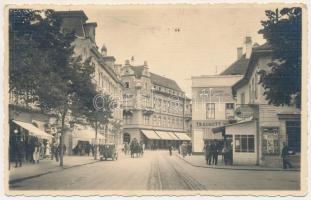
(155, 109)
(106, 78)
(261, 129)
(212, 105)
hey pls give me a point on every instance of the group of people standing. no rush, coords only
(82, 149)
(185, 149)
(213, 149)
(31, 149)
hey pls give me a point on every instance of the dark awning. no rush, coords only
(219, 129)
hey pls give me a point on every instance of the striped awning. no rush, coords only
(34, 131)
(164, 135)
(173, 135)
(150, 134)
(182, 136)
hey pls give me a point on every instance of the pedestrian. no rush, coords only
(189, 149)
(42, 149)
(47, 150)
(19, 152)
(36, 153)
(170, 148)
(184, 149)
(56, 152)
(285, 157)
(205, 151)
(215, 152)
(209, 153)
(224, 152)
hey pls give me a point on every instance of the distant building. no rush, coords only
(261, 129)
(155, 109)
(106, 78)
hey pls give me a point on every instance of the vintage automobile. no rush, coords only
(108, 151)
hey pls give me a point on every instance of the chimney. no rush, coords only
(239, 52)
(145, 63)
(127, 62)
(248, 45)
(89, 29)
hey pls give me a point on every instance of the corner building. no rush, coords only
(106, 78)
(155, 109)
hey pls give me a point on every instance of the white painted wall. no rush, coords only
(197, 140)
(247, 128)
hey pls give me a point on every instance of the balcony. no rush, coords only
(246, 111)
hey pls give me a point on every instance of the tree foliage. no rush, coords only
(283, 32)
(45, 69)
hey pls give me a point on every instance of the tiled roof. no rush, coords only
(138, 70)
(237, 68)
(165, 82)
(156, 79)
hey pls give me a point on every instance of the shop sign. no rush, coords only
(202, 124)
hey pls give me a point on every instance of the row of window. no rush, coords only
(167, 105)
(109, 87)
(244, 143)
(210, 110)
(160, 121)
(158, 88)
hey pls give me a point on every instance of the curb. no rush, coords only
(227, 168)
(49, 172)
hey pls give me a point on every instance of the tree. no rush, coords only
(46, 70)
(100, 115)
(283, 32)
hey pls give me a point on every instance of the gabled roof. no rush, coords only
(165, 82)
(237, 68)
(256, 52)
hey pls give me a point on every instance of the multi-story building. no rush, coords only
(261, 129)
(156, 111)
(212, 105)
(106, 77)
(213, 102)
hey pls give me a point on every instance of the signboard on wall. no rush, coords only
(208, 123)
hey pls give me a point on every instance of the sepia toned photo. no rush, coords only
(177, 99)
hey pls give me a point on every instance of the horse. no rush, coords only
(136, 148)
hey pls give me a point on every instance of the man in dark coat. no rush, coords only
(285, 157)
(215, 152)
(209, 153)
(19, 152)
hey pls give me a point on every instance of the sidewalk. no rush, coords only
(46, 166)
(199, 161)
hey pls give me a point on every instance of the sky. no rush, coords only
(177, 41)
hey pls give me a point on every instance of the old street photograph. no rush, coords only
(155, 98)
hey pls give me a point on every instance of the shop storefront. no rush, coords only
(155, 139)
(24, 137)
(259, 141)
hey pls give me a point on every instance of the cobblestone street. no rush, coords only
(156, 171)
